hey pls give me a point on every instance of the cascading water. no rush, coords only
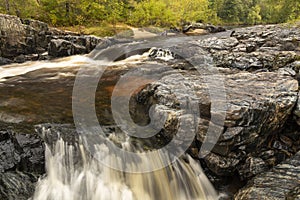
(74, 173)
(91, 180)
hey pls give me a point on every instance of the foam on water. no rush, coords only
(73, 173)
(91, 180)
(20, 69)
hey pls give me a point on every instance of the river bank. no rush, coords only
(259, 141)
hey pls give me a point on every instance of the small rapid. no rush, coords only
(75, 175)
(73, 172)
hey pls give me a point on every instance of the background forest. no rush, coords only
(162, 13)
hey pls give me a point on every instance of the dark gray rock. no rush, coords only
(61, 48)
(22, 161)
(294, 194)
(9, 156)
(279, 183)
(22, 40)
(33, 153)
(5, 61)
(297, 111)
(207, 27)
(21, 151)
(253, 113)
(16, 185)
(259, 47)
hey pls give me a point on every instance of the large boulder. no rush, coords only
(21, 36)
(26, 39)
(22, 161)
(281, 183)
(195, 28)
(256, 108)
(60, 48)
(260, 47)
(21, 151)
(72, 45)
(17, 185)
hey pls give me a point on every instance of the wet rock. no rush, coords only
(207, 28)
(9, 156)
(259, 47)
(21, 151)
(256, 109)
(279, 183)
(61, 48)
(5, 61)
(17, 185)
(22, 39)
(22, 161)
(221, 165)
(33, 155)
(252, 167)
(294, 194)
(297, 111)
(53, 132)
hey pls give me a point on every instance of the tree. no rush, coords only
(254, 15)
(7, 5)
(151, 12)
(232, 11)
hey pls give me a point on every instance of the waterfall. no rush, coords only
(88, 179)
(76, 173)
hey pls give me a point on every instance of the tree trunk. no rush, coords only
(67, 8)
(7, 6)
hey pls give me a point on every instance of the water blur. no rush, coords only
(72, 172)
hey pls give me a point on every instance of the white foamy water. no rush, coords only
(73, 177)
(91, 180)
(68, 62)
(20, 69)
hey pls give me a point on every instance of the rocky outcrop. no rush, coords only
(262, 47)
(259, 68)
(21, 162)
(262, 106)
(22, 40)
(297, 112)
(278, 184)
(21, 151)
(195, 28)
(256, 109)
(17, 185)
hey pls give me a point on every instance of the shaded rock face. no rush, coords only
(22, 40)
(191, 29)
(72, 45)
(260, 71)
(21, 162)
(17, 185)
(282, 182)
(256, 109)
(21, 151)
(261, 128)
(297, 112)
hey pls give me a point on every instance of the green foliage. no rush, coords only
(164, 13)
(256, 11)
(151, 12)
(254, 15)
(21, 8)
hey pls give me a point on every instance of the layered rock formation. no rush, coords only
(258, 68)
(282, 182)
(22, 40)
(22, 161)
